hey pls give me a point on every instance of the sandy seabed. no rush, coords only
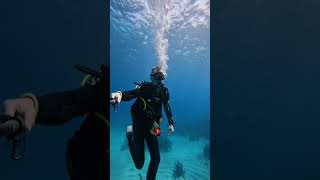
(189, 153)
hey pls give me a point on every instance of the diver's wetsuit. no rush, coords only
(88, 150)
(147, 109)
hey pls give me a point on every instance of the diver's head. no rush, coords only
(156, 75)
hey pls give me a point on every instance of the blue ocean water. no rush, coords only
(266, 90)
(174, 35)
(40, 44)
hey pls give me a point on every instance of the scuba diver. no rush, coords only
(88, 150)
(146, 113)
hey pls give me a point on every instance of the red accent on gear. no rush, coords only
(156, 131)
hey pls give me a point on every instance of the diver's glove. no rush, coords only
(9, 125)
(170, 129)
(25, 109)
(116, 97)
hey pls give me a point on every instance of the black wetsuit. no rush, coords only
(88, 150)
(147, 109)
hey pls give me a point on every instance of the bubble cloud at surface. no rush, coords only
(159, 21)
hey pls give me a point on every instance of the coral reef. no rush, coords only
(178, 170)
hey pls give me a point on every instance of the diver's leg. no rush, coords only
(87, 151)
(136, 144)
(153, 146)
(71, 161)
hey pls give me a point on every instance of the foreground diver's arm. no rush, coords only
(57, 108)
(52, 109)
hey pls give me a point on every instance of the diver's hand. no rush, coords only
(170, 130)
(116, 97)
(9, 127)
(24, 108)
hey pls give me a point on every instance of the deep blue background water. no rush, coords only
(40, 42)
(266, 107)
